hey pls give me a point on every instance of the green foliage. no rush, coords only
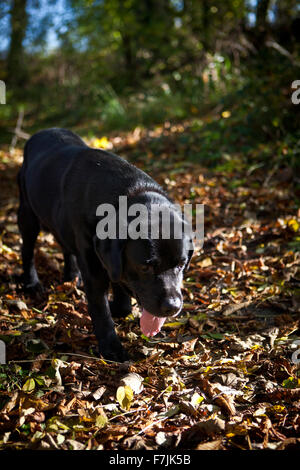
(122, 64)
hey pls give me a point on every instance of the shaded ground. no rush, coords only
(222, 376)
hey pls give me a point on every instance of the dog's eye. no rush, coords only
(146, 268)
(181, 265)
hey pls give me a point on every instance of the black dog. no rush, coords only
(62, 182)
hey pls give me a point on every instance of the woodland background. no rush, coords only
(199, 95)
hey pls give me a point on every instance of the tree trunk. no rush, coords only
(206, 25)
(15, 58)
(262, 8)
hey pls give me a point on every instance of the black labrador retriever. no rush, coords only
(62, 183)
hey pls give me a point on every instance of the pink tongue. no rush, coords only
(150, 325)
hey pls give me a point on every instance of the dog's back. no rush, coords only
(63, 180)
(50, 139)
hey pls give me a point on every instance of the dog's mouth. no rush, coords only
(150, 324)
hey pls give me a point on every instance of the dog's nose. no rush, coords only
(171, 306)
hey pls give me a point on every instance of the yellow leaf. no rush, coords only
(294, 225)
(101, 421)
(174, 324)
(205, 263)
(29, 386)
(276, 409)
(226, 114)
(196, 400)
(125, 396)
(102, 143)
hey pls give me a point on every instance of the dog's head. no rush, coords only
(151, 269)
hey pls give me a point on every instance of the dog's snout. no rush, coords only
(171, 306)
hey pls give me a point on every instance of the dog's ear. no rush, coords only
(110, 254)
(188, 241)
(190, 254)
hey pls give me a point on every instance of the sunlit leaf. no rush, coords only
(29, 385)
(125, 396)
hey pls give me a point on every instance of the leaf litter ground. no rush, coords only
(223, 375)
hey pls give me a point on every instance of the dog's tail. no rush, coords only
(25, 152)
(23, 168)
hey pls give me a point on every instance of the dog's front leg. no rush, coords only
(96, 285)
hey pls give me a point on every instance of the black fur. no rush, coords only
(62, 181)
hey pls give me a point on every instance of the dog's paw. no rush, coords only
(35, 289)
(111, 349)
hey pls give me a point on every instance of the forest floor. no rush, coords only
(223, 375)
